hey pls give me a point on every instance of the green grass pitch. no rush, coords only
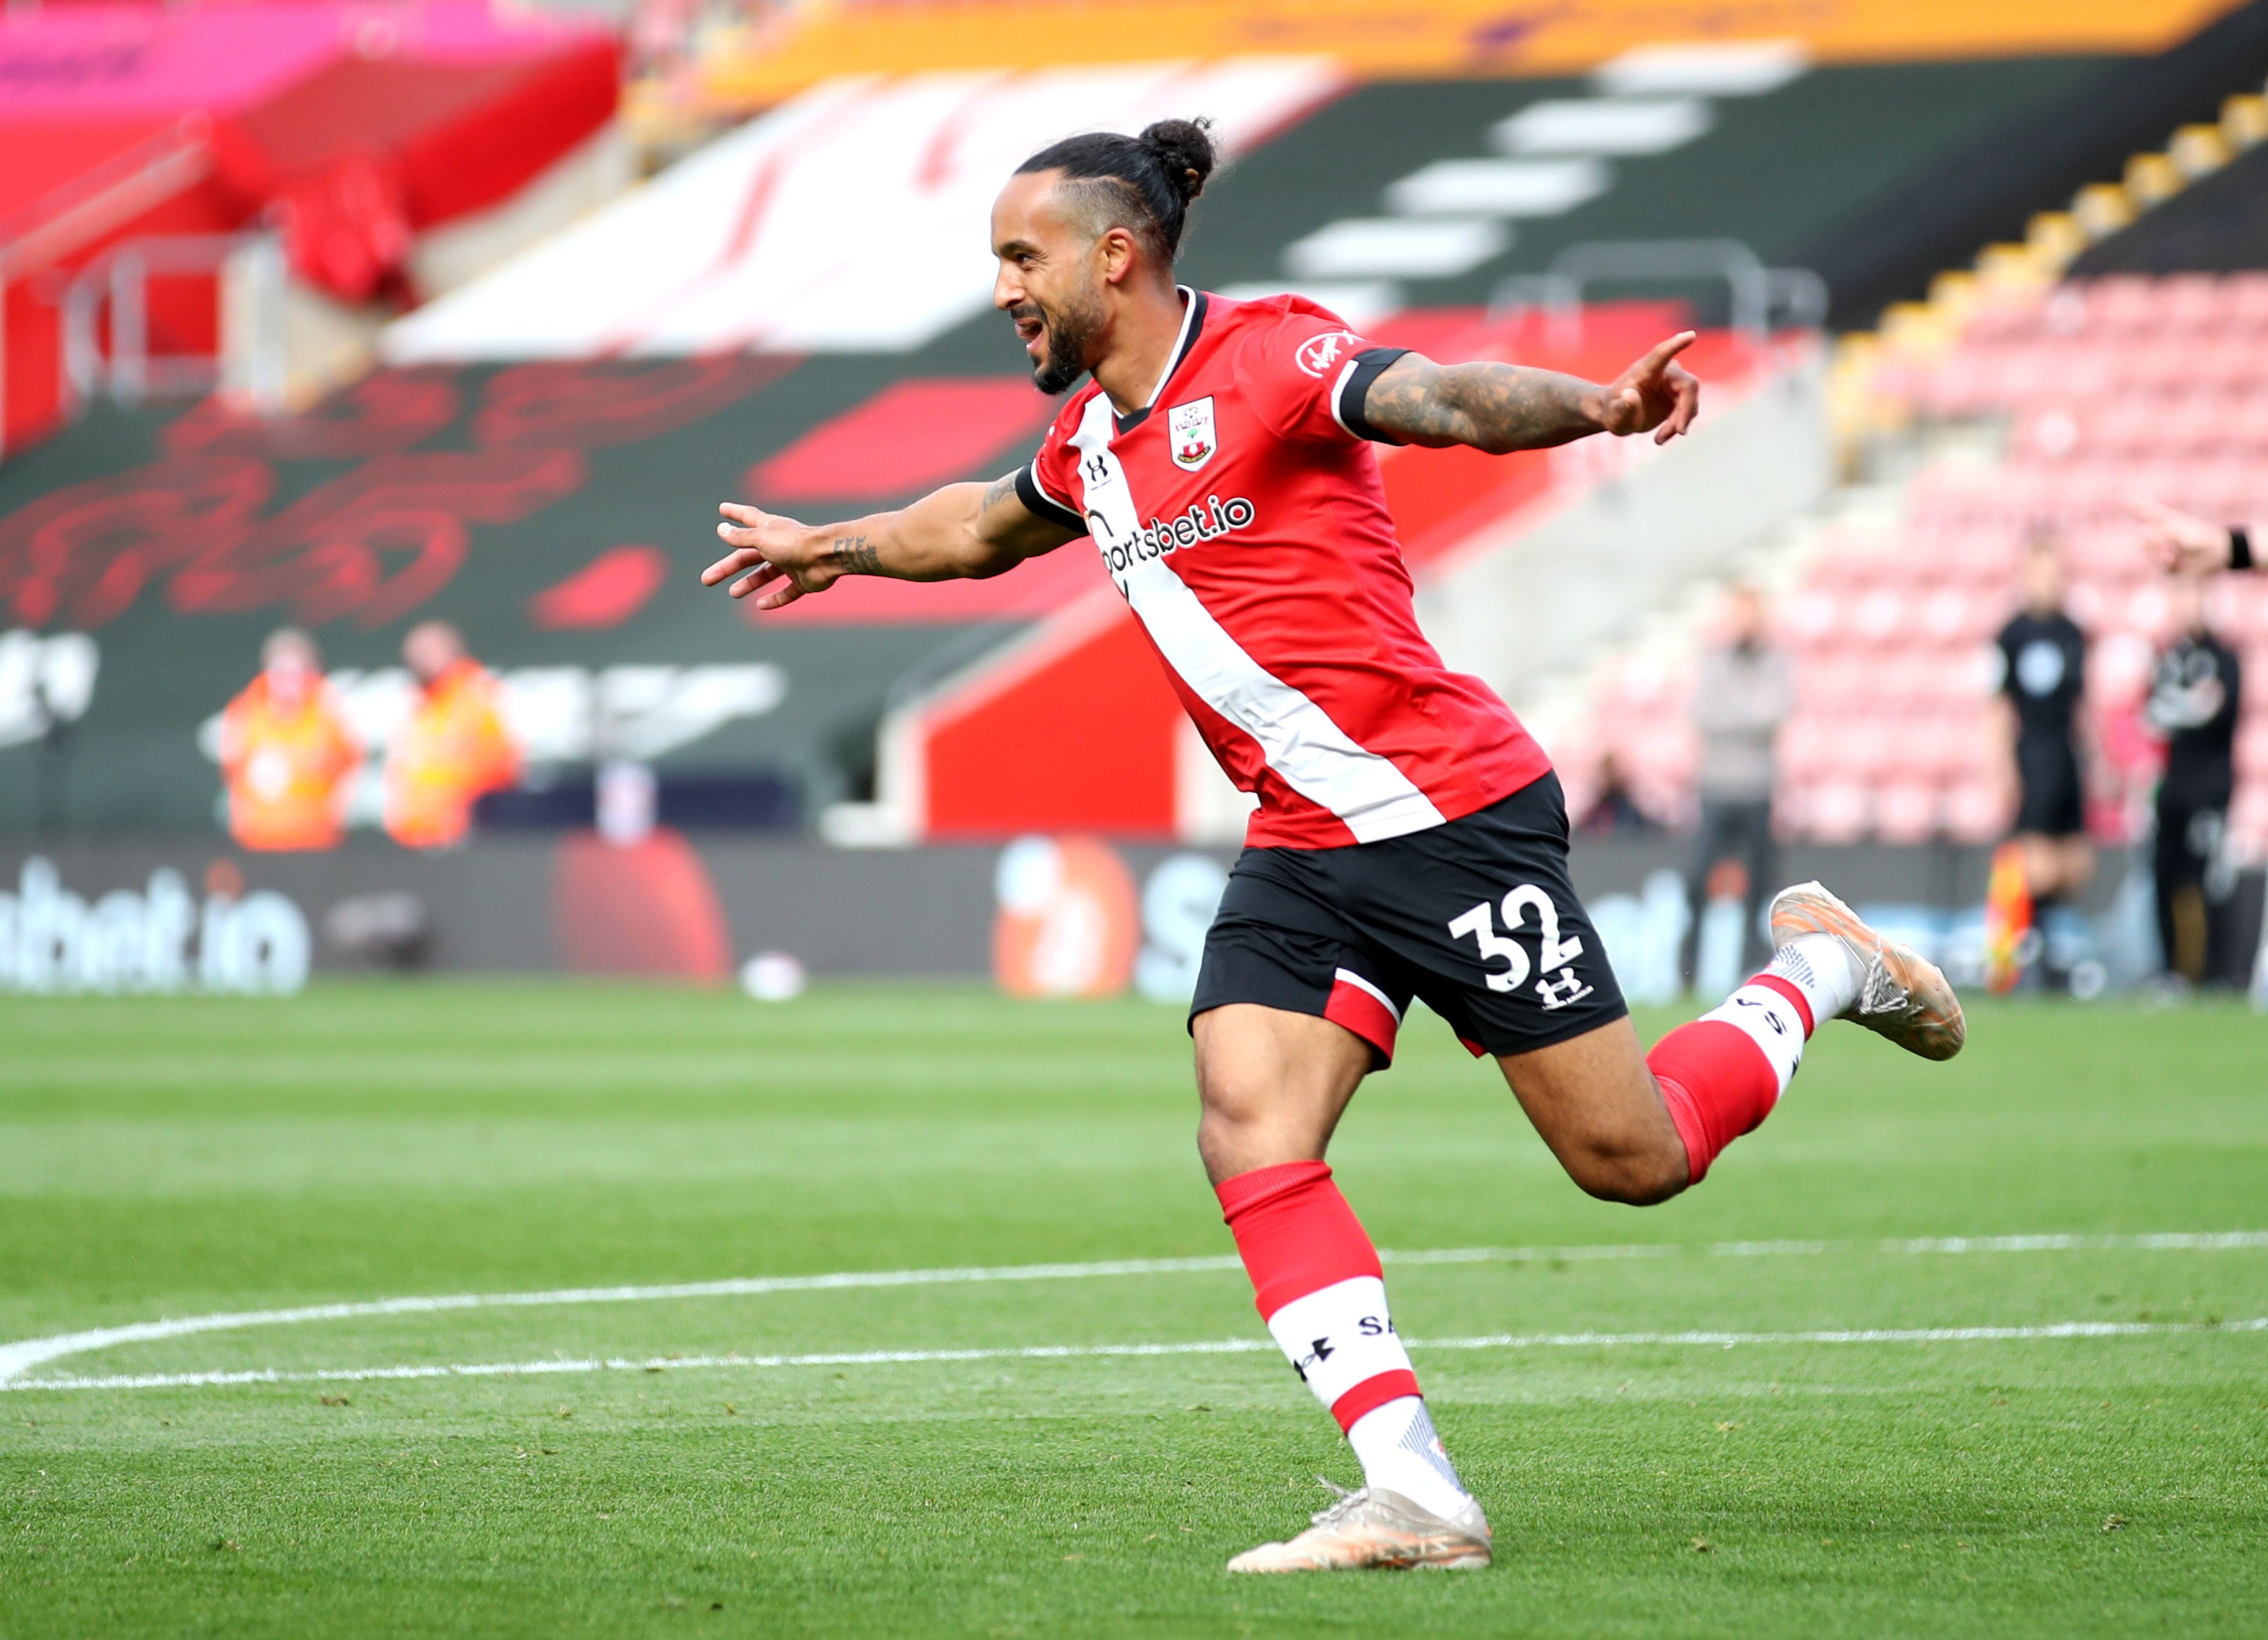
(182, 1159)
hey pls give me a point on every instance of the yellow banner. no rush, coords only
(1381, 40)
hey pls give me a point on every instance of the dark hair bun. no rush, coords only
(1184, 148)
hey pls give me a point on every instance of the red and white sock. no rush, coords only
(1318, 1286)
(1721, 1074)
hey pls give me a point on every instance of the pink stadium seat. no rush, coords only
(2252, 748)
(2246, 428)
(2124, 304)
(1835, 680)
(1976, 810)
(2053, 430)
(1878, 615)
(2192, 302)
(1966, 382)
(1907, 811)
(2118, 667)
(1806, 748)
(1807, 618)
(2244, 297)
(1834, 811)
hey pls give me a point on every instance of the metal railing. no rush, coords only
(117, 284)
(1797, 295)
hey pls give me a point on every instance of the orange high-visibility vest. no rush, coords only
(287, 772)
(453, 748)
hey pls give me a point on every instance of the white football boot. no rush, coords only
(1377, 1528)
(1901, 996)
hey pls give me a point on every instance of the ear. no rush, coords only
(1117, 253)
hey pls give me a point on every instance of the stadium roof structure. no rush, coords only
(1447, 39)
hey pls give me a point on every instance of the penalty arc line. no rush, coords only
(19, 1357)
(1202, 1347)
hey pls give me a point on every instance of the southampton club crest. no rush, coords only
(1190, 434)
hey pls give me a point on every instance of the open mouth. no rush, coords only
(1029, 328)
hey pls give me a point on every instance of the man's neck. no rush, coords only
(1141, 342)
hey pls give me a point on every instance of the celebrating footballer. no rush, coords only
(1410, 839)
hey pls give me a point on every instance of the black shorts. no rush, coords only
(1475, 916)
(2048, 774)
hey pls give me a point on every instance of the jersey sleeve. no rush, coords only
(2003, 662)
(1045, 484)
(1308, 375)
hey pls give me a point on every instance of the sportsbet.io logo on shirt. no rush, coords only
(1206, 520)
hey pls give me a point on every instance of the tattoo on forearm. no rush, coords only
(1495, 407)
(852, 555)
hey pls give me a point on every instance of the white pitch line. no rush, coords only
(19, 1357)
(1206, 1347)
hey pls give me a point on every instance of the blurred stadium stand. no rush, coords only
(796, 314)
(241, 193)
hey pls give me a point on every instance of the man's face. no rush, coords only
(2043, 579)
(428, 652)
(1048, 280)
(290, 673)
(1747, 616)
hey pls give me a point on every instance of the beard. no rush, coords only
(1070, 335)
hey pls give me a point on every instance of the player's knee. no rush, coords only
(1637, 1174)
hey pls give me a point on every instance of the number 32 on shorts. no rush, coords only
(1558, 984)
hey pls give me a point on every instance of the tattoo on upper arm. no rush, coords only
(999, 491)
(852, 555)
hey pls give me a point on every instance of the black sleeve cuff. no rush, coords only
(2240, 548)
(1037, 502)
(1354, 389)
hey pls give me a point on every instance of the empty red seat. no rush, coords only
(1907, 811)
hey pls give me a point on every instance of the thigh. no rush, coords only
(1273, 1084)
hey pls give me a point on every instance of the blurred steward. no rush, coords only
(2194, 696)
(1615, 811)
(287, 753)
(1744, 694)
(451, 748)
(2042, 660)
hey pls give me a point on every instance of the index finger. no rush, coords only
(1664, 352)
(2150, 509)
(739, 512)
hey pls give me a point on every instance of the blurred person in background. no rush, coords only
(287, 753)
(2194, 695)
(2041, 656)
(1745, 692)
(452, 749)
(1615, 811)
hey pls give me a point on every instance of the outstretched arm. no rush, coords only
(2183, 543)
(963, 530)
(1499, 408)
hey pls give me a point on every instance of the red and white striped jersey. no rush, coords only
(1241, 515)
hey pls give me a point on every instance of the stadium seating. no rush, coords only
(2102, 390)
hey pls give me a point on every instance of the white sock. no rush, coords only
(1822, 967)
(1339, 1336)
(1400, 1452)
(1769, 1019)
